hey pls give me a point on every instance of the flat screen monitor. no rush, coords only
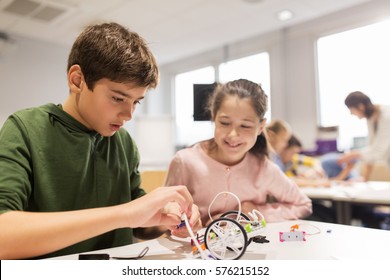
(202, 93)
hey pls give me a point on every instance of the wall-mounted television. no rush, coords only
(202, 93)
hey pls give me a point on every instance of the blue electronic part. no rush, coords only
(182, 224)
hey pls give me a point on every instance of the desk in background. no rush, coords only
(333, 241)
(345, 194)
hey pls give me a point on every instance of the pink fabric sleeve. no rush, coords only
(291, 203)
(174, 171)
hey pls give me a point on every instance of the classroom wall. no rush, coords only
(31, 74)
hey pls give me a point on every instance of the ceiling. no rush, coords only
(175, 29)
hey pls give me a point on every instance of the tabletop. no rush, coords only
(345, 194)
(323, 241)
(373, 192)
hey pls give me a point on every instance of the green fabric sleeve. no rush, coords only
(16, 172)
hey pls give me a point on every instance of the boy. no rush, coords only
(297, 165)
(69, 179)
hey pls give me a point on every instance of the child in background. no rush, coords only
(235, 160)
(309, 172)
(339, 171)
(278, 133)
(304, 170)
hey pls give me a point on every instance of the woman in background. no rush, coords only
(378, 124)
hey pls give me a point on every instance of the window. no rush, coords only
(254, 68)
(357, 59)
(188, 131)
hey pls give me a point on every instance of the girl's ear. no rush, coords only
(75, 79)
(262, 125)
(212, 117)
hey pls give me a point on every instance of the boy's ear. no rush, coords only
(75, 78)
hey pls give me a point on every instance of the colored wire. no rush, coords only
(256, 213)
(314, 233)
(192, 235)
(140, 255)
(232, 194)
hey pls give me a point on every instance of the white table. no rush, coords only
(346, 194)
(333, 241)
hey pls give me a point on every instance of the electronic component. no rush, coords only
(295, 235)
(227, 237)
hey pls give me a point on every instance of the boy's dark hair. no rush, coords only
(294, 142)
(111, 51)
(357, 97)
(243, 88)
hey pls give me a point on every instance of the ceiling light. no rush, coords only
(284, 15)
(253, 1)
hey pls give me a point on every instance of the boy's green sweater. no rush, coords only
(50, 162)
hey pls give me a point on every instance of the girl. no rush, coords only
(235, 160)
(278, 134)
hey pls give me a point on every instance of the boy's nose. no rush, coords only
(127, 114)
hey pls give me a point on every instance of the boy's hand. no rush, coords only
(180, 230)
(162, 206)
